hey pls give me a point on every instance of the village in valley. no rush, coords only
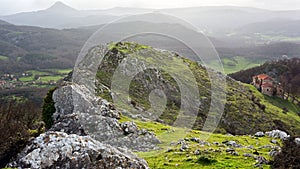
(42, 78)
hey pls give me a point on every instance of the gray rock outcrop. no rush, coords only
(78, 111)
(61, 150)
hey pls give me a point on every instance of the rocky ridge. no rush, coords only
(72, 143)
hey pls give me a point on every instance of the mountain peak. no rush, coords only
(60, 6)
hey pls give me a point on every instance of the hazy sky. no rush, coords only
(14, 6)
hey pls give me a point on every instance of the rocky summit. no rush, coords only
(86, 134)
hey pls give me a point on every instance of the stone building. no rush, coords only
(267, 85)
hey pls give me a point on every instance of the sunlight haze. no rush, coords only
(14, 6)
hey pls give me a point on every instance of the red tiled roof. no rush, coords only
(263, 76)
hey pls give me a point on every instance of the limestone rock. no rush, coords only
(69, 151)
(278, 134)
(259, 134)
(79, 111)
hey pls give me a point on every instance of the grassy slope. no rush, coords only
(246, 111)
(170, 156)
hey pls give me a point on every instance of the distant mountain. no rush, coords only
(225, 19)
(61, 15)
(211, 20)
(61, 7)
(273, 28)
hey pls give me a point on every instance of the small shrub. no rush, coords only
(205, 160)
(263, 107)
(16, 120)
(48, 109)
(285, 110)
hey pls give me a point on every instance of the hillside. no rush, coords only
(79, 120)
(288, 28)
(246, 110)
(30, 47)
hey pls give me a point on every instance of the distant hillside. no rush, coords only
(279, 27)
(4, 22)
(30, 47)
(286, 71)
(19, 43)
(246, 110)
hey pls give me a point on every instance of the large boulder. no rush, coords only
(79, 111)
(69, 151)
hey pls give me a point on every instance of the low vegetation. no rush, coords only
(201, 153)
(19, 120)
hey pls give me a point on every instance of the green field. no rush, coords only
(237, 63)
(61, 71)
(31, 78)
(45, 75)
(3, 58)
(64, 71)
(50, 78)
(280, 38)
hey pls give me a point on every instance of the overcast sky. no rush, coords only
(14, 6)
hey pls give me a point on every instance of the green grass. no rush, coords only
(50, 78)
(45, 75)
(26, 79)
(3, 58)
(238, 63)
(207, 158)
(61, 71)
(274, 106)
(33, 74)
(64, 71)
